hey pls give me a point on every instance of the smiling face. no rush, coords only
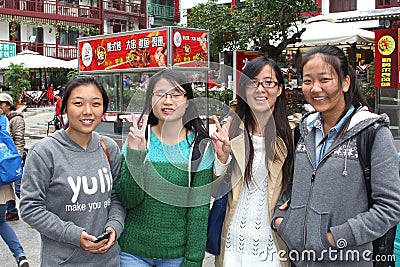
(84, 110)
(321, 88)
(261, 99)
(168, 101)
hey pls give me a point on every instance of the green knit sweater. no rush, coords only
(158, 224)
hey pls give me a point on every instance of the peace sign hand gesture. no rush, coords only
(136, 136)
(220, 139)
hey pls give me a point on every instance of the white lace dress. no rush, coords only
(249, 241)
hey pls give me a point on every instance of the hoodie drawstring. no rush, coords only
(344, 173)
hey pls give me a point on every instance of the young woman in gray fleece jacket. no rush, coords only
(328, 222)
(67, 192)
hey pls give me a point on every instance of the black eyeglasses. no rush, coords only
(174, 95)
(265, 84)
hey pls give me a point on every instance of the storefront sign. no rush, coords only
(386, 59)
(7, 49)
(144, 49)
(153, 48)
(190, 48)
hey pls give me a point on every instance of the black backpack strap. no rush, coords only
(383, 246)
(365, 142)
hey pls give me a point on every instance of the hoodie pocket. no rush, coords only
(67, 256)
(317, 230)
(292, 227)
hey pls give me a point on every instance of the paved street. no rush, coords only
(36, 124)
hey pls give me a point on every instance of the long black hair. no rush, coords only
(244, 112)
(78, 81)
(335, 57)
(191, 119)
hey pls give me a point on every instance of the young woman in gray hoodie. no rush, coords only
(67, 192)
(328, 221)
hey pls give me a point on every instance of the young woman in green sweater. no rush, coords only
(167, 207)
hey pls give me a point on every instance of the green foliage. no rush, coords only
(134, 100)
(368, 91)
(72, 73)
(219, 20)
(58, 78)
(295, 101)
(218, 103)
(17, 78)
(269, 25)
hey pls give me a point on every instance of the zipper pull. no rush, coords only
(313, 175)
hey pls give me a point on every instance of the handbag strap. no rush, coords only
(103, 145)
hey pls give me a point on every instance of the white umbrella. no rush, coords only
(326, 32)
(33, 60)
(71, 64)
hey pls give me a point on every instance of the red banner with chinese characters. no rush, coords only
(386, 59)
(190, 48)
(144, 49)
(240, 59)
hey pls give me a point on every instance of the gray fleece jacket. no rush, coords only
(66, 190)
(326, 199)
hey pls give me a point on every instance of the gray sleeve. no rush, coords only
(36, 180)
(116, 214)
(385, 185)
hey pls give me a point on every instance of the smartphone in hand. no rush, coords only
(105, 235)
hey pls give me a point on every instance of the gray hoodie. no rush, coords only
(66, 190)
(326, 199)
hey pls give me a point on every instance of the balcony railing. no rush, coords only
(123, 5)
(52, 7)
(66, 52)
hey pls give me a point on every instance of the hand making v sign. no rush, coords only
(136, 136)
(220, 139)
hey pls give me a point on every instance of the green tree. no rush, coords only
(17, 79)
(219, 20)
(266, 25)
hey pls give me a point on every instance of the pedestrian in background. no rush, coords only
(329, 207)
(7, 195)
(58, 119)
(164, 227)
(50, 95)
(16, 128)
(67, 193)
(259, 156)
(127, 82)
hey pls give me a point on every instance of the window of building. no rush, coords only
(387, 3)
(67, 37)
(342, 5)
(164, 2)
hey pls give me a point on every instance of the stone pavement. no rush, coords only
(36, 128)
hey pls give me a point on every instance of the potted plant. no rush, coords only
(17, 79)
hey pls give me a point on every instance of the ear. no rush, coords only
(279, 90)
(346, 84)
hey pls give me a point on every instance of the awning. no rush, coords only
(319, 33)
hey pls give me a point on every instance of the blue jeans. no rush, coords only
(11, 207)
(8, 234)
(128, 260)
